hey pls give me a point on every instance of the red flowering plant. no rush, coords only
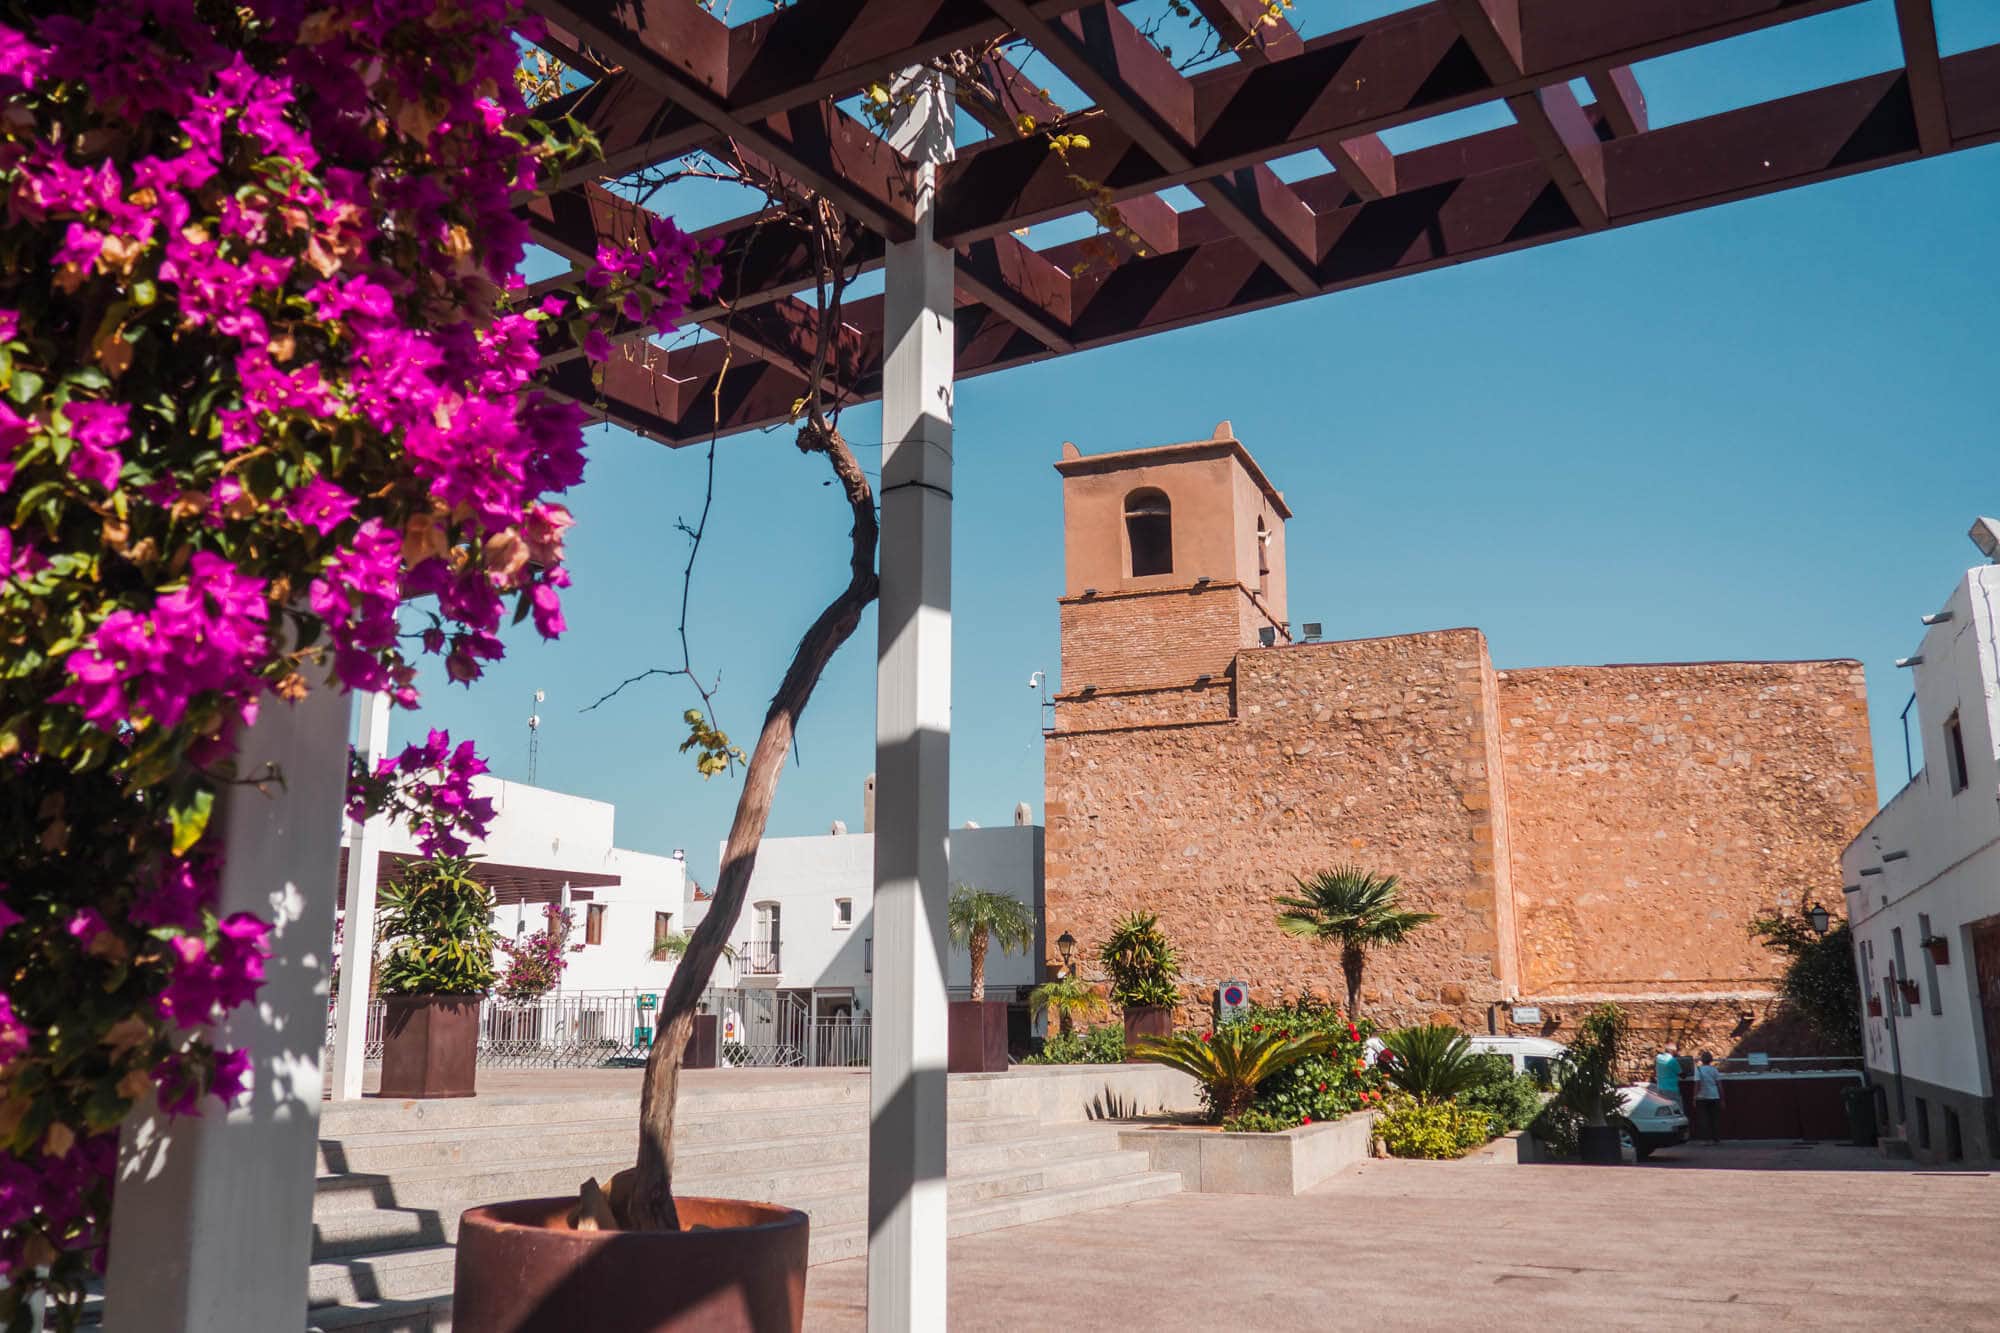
(265, 374)
(1328, 1085)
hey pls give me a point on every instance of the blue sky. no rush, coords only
(1759, 431)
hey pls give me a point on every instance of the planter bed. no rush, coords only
(1210, 1161)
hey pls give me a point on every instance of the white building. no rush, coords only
(547, 847)
(1923, 891)
(806, 934)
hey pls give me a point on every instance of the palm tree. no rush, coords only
(1354, 908)
(1066, 998)
(975, 916)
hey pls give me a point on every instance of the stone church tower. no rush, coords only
(1582, 833)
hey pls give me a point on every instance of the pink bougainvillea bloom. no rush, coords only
(8, 916)
(320, 505)
(14, 1038)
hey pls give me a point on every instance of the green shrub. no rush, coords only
(437, 924)
(1411, 1128)
(1102, 1045)
(1230, 1062)
(1513, 1100)
(1322, 1087)
(1433, 1062)
(1254, 1121)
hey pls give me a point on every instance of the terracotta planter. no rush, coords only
(1146, 1020)
(430, 1045)
(520, 1269)
(976, 1037)
(1874, 1006)
(1598, 1145)
(1939, 948)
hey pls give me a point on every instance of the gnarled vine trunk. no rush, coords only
(649, 1204)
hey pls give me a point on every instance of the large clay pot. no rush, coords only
(1598, 1145)
(430, 1045)
(522, 1270)
(977, 1037)
(1146, 1020)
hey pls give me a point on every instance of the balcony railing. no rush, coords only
(759, 957)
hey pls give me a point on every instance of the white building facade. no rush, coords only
(548, 848)
(806, 935)
(1922, 886)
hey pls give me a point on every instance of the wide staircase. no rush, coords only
(394, 1177)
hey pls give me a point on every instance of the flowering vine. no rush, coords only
(265, 375)
(535, 964)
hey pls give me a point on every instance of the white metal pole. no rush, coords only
(357, 953)
(906, 1161)
(212, 1228)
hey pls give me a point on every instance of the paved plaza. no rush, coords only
(1737, 1236)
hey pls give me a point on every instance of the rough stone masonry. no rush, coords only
(1583, 833)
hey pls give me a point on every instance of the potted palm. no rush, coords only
(977, 919)
(1145, 972)
(437, 924)
(1353, 908)
(1065, 1000)
(1587, 1086)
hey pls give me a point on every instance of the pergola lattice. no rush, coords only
(672, 79)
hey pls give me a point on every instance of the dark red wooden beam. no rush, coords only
(1550, 115)
(1251, 30)
(1464, 200)
(1917, 27)
(1616, 89)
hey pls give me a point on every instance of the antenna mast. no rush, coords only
(535, 738)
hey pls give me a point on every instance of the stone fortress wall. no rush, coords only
(1581, 832)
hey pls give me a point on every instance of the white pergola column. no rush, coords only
(906, 1144)
(364, 854)
(212, 1228)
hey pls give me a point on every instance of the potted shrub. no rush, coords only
(1145, 975)
(1586, 1084)
(977, 1032)
(437, 925)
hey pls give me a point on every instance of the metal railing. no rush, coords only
(759, 957)
(589, 1029)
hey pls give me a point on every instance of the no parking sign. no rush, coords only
(1235, 998)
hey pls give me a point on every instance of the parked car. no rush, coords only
(1646, 1120)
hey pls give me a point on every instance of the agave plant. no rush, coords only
(1433, 1063)
(1066, 999)
(1231, 1062)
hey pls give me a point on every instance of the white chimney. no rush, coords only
(868, 804)
(1023, 816)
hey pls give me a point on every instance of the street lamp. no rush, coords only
(1066, 945)
(1816, 918)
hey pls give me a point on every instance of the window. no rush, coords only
(1930, 964)
(1954, 754)
(1149, 529)
(843, 913)
(593, 924)
(663, 927)
(1954, 1137)
(1263, 560)
(1923, 1123)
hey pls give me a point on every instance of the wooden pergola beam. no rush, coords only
(1916, 26)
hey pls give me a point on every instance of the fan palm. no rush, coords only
(1354, 908)
(1067, 998)
(1230, 1062)
(1433, 1063)
(976, 917)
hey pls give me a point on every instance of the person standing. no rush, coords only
(1667, 1073)
(1708, 1098)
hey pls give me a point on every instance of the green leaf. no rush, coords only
(27, 386)
(190, 814)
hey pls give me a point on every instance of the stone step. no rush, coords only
(425, 1314)
(362, 1213)
(398, 1290)
(850, 1241)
